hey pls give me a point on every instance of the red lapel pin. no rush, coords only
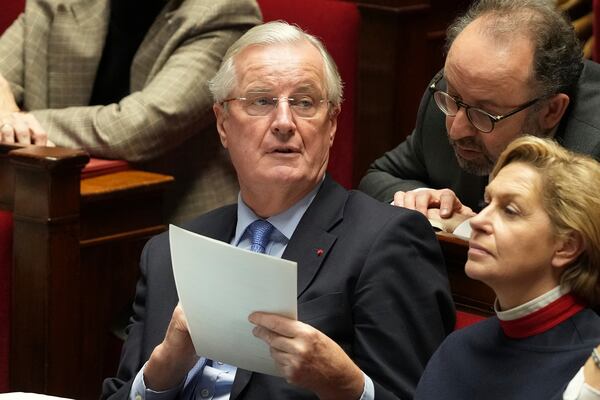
(319, 252)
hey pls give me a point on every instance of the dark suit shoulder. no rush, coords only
(580, 129)
(219, 216)
(217, 224)
(362, 208)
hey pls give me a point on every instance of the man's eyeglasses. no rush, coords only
(262, 104)
(482, 120)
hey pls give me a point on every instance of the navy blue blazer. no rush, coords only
(378, 288)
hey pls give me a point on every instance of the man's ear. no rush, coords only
(553, 111)
(568, 249)
(334, 112)
(221, 116)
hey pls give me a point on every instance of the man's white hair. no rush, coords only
(276, 32)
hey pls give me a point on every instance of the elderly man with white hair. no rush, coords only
(373, 296)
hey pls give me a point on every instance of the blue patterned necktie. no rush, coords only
(260, 232)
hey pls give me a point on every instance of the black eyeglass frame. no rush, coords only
(493, 118)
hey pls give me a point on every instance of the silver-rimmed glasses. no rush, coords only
(482, 120)
(262, 104)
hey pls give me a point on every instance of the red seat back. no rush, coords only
(336, 23)
(6, 228)
(9, 11)
(596, 29)
(464, 319)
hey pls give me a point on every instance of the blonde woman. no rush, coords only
(537, 245)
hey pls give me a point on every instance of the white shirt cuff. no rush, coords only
(139, 391)
(369, 389)
(579, 390)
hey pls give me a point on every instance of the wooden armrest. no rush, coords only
(36, 166)
(468, 294)
(75, 255)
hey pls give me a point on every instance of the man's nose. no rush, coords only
(459, 126)
(283, 121)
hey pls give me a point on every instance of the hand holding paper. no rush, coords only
(308, 358)
(173, 358)
(219, 286)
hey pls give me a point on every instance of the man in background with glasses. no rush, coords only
(373, 296)
(513, 67)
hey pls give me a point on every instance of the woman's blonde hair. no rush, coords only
(570, 194)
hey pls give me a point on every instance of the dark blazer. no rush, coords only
(426, 159)
(379, 289)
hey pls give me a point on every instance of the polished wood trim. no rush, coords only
(75, 263)
(469, 295)
(133, 234)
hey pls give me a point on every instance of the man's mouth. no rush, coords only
(467, 152)
(284, 150)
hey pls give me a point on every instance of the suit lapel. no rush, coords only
(74, 51)
(308, 246)
(312, 240)
(218, 225)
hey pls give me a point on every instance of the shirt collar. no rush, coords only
(540, 314)
(531, 306)
(285, 222)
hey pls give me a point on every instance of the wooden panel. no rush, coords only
(469, 295)
(45, 317)
(76, 252)
(400, 49)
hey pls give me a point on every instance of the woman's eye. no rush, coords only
(511, 210)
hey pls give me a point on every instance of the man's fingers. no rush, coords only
(39, 136)
(8, 133)
(398, 199)
(448, 204)
(275, 341)
(422, 201)
(22, 132)
(409, 200)
(22, 128)
(276, 323)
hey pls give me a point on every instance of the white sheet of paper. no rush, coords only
(219, 286)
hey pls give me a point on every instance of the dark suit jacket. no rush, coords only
(426, 159)
(379, 289)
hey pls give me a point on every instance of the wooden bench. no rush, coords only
(76, 247)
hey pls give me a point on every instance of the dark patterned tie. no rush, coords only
(260, 232)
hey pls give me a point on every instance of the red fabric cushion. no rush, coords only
(336, 23)
(596, 27)
(100, 166)
(9, 11)
(6, 229)
(464, 319)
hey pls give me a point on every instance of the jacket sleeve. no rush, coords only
(132, 352)
(403, 308)
(174, 105)
(11, 57)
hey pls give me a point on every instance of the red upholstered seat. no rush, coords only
(596, 29)
(336, 23)
(6, 228)
(10, 10)
(464, 319)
